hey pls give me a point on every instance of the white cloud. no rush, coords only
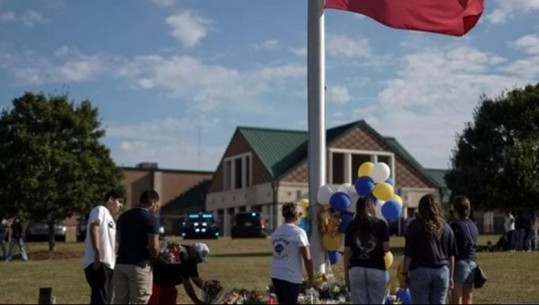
(432, 95)
(341, 45)
(189, 27)
(165, 3)
(31, 18)
(267, 45)
(7, 17)
(299, 51)
(528, 43)
(338, 95)
(506, 9)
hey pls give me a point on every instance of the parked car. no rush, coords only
(82, 223)
(200, 225)
(249, 224)
(40, 231)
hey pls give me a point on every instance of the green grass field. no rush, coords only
(245, 263)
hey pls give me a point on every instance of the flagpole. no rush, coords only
(316, 123)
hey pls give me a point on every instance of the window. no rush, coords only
(237, 172)
(345, 163)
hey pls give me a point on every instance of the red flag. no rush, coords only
(450, 17)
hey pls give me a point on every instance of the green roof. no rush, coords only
(439, 176)
(282, 150)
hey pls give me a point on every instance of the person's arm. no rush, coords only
(153, 242)
(94, 239)
(385, 246)
(198, 282)
(190, 291)
(346, 262)
(405, 272)
(308, 262)
(451, 269)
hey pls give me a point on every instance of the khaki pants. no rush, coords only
(131, 284)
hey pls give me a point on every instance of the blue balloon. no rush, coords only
(346, 218)
(404, 296)
(339, 201)
(334, 257)
(389, 180)
(391, 210)
(364, 185)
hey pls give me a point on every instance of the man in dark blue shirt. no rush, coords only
(138, 240)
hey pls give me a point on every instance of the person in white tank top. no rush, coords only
(100, 247)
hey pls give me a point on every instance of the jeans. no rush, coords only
(20, 243)
(100, 281)
(464, 272)
(429, 285)
(287, 292)
(367, 285)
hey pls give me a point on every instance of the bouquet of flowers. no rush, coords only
(253, 297)
(170, 252)
(212, 292)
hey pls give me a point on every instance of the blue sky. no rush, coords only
(173, 78)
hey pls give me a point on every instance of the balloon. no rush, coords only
(345, 187)
(352, 189)
(404, 296)
(339, 201)
(390, 181)
(324, 193)
(331, 243)
(334, 257)
(353, 200)
(383, 191)
(396, 198)
(391, 210)
(304, 204)
(365, 169)
(380, 172)
(388, 259)
(346, 218)
(364, 185)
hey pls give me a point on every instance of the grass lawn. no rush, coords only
(243, 263)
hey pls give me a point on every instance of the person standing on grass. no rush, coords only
(100, 247)
(4, 236)
(509, 227)
(138, 240)
(429, 255)
(466, 235)
(17, 235)
(290, 245)
(366, 242)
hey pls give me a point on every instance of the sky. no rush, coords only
(173, 79)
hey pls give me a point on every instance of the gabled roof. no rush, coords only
(439, 176)
(283, 150)
(193, 197)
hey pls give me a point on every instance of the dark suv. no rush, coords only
(249, 224)
(200, 225)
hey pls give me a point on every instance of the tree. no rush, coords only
(496, 160)
(52, 164)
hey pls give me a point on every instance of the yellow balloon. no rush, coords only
(330, 242)
(365, 169)
(383, 191)
(304, 204)
(388, 259)
(396, 198)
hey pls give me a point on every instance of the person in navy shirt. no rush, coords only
(466, 234)
(429, 254)
(138, 240)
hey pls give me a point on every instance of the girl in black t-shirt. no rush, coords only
(365, 245)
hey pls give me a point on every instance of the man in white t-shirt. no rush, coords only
(100, 247)
(290, 245)
(509, 226)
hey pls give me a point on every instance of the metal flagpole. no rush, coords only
(317, 123)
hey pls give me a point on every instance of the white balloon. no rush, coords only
(345, 187)
(353, 199)
(352, 190)
(380, 172)
(324, 193)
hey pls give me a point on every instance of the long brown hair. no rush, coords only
(430, 212)
(365, 214)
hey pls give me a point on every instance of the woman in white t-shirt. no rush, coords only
(290, 245)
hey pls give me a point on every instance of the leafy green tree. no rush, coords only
(496, 160)
(52, 164)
